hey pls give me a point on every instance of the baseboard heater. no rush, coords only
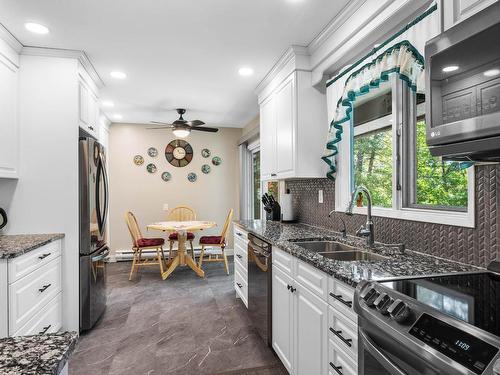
(126, 254)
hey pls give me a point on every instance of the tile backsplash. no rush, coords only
(478, 246)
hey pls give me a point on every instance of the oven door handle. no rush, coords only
(378, 355)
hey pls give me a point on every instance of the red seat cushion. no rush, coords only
(175, 236)
(210, 240)
(144, 242)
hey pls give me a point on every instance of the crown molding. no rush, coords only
(343, 16)
(10, 39)
(81, 56)
(289, 55)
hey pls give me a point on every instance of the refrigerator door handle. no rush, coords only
(101, 211)
(106, 191)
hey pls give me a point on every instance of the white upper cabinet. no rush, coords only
(88, 106)
(9, 133)
(456, 11)
(293, 122)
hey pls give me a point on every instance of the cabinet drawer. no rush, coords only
(29, 294)
(313, 279)
(339, 359)
(240, 234)
(340, 296)
(240, 256)
(238, 266)
(47, 320)
(343, 331)
(241, 286)
(24, 264)
(283, 260)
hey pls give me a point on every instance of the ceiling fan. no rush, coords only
(182, 128)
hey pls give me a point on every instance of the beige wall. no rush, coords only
(132, 187)
(251, 126)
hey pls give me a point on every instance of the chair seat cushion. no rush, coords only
(210, 240)
(145, 242)
(175, 236)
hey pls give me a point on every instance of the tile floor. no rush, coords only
(184, 325)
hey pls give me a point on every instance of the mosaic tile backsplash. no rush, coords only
(477, 246)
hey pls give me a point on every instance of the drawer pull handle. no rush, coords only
(239, 256)
(339, 298)
(44, 288)
(337, 368)
(239, 234)
(339, 335)
(239, 285)
(45, 329)
(291, 288)
(43, 256)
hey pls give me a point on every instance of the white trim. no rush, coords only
(10, 39)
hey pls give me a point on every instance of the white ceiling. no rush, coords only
(176, 53)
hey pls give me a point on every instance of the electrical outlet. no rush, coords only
(320, 196)
(165, 206)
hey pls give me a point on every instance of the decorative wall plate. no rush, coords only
(138, 160)
(216, 160)
(192, 177)
(205, 152)
(179, 153)
(153, 152)
(166, 176)
(151, 168)
(205, 168)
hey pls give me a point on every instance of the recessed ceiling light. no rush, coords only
(107, 103)
(36, 28)
(117, 116)
(450, 68)
(118, 75)
(491, 72)
(245, 71)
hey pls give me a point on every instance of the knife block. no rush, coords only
(275, 214)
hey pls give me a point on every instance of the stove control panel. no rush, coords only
(469, 351)
(399, 311)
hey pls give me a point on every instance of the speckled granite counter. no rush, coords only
(12, 246)
(36, 355)
(410, 263)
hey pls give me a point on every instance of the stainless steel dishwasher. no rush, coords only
(259, 286)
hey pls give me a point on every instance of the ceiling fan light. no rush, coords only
(181, 133)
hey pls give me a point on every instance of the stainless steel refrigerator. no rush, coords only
(93, 183)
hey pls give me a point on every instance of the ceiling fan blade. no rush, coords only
(160, 127)
(160, 123)
(209, 130)
(195, 123)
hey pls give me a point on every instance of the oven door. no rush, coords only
(381, 354)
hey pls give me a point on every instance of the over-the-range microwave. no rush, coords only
(462, 68)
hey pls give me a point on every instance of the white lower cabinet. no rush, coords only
(311, 333)
(314, 333)
(33, 293)
(241, 264)
(283, 314)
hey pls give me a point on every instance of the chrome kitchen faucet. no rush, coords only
(367, 229)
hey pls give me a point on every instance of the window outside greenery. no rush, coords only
(373, 165)
(256, 184)
(438, 183)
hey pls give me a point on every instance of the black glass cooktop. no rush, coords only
(473, 298)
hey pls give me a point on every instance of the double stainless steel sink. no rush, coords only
(339, 251)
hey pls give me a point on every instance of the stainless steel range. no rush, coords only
(430, 325)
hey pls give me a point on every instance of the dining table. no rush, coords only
(181, 228)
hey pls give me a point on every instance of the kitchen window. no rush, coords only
(390, 157)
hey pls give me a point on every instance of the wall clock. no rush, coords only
(179, 153)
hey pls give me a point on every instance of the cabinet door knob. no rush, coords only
(239, 256)
(239, 285)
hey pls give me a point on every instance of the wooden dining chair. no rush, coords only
(139, 243)
(216, 241)
(181, 213)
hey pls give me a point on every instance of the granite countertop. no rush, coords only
(36, 355)
(14, 245)
(398, 265)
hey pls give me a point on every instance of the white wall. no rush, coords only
(133, 188)
(45, 198)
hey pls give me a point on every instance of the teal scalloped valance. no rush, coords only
(402, 59)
